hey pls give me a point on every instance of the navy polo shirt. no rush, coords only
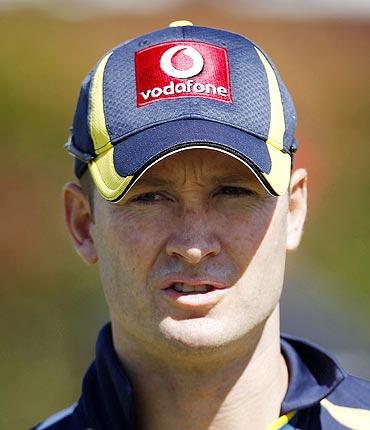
(320, 395)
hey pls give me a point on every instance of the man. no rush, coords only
(184, 145)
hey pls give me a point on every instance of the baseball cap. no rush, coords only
(182, 87)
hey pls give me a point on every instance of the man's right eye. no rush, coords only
(149, 198)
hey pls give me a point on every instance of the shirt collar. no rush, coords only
(313, 373)
(107, 399)
(107, 394)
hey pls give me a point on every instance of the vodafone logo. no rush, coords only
(195, 69)
(182, 69)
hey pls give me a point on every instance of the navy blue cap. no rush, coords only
(179, 88)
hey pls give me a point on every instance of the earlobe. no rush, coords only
(78, 218)
(297, 208)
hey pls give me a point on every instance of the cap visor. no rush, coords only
(116, 171)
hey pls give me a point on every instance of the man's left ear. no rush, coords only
(297, 208)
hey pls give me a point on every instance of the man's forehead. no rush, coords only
(208, 165)
(156, 179)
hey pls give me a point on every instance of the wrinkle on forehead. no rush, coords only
(193, 170)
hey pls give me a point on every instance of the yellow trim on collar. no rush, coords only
(281, 421)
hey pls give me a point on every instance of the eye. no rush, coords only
(233, 191)
(152, 197)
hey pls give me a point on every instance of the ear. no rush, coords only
(297, 208)
(78, 217)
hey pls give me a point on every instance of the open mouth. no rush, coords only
(181, 287)
(194, 294)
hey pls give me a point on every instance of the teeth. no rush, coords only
(183, 288)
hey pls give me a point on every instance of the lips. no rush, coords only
(188, 285)
(193, 293)
(181, 287)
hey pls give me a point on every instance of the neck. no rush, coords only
(224, 395)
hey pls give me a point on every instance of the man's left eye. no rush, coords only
(234, 191)
(149, 198)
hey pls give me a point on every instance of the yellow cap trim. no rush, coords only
(279, 175)
(180, 23)
(353, 418)
(109, 183)
(281, 421)
(277, 123)
(98, 126)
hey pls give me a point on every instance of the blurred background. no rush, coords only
(51, 305)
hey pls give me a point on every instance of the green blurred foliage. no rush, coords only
(51, 304)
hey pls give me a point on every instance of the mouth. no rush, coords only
(182, 287)
(193, 294)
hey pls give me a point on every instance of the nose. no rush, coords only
(193, 239)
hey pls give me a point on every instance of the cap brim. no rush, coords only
(115, 171)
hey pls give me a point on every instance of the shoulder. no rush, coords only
(352, 391)
(66, 419)
(322, 392)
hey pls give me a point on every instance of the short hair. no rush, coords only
(89, 189)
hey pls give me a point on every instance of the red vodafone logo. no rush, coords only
(168, 67)
(182, 69)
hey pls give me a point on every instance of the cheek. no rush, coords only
(245, 231)
(132, 243)
(128, 248)
(267, 261)
(260, 242)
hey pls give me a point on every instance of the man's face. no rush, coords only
(199, 220)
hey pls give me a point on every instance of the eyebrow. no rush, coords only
(159, 181)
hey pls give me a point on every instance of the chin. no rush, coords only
(198, 335)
